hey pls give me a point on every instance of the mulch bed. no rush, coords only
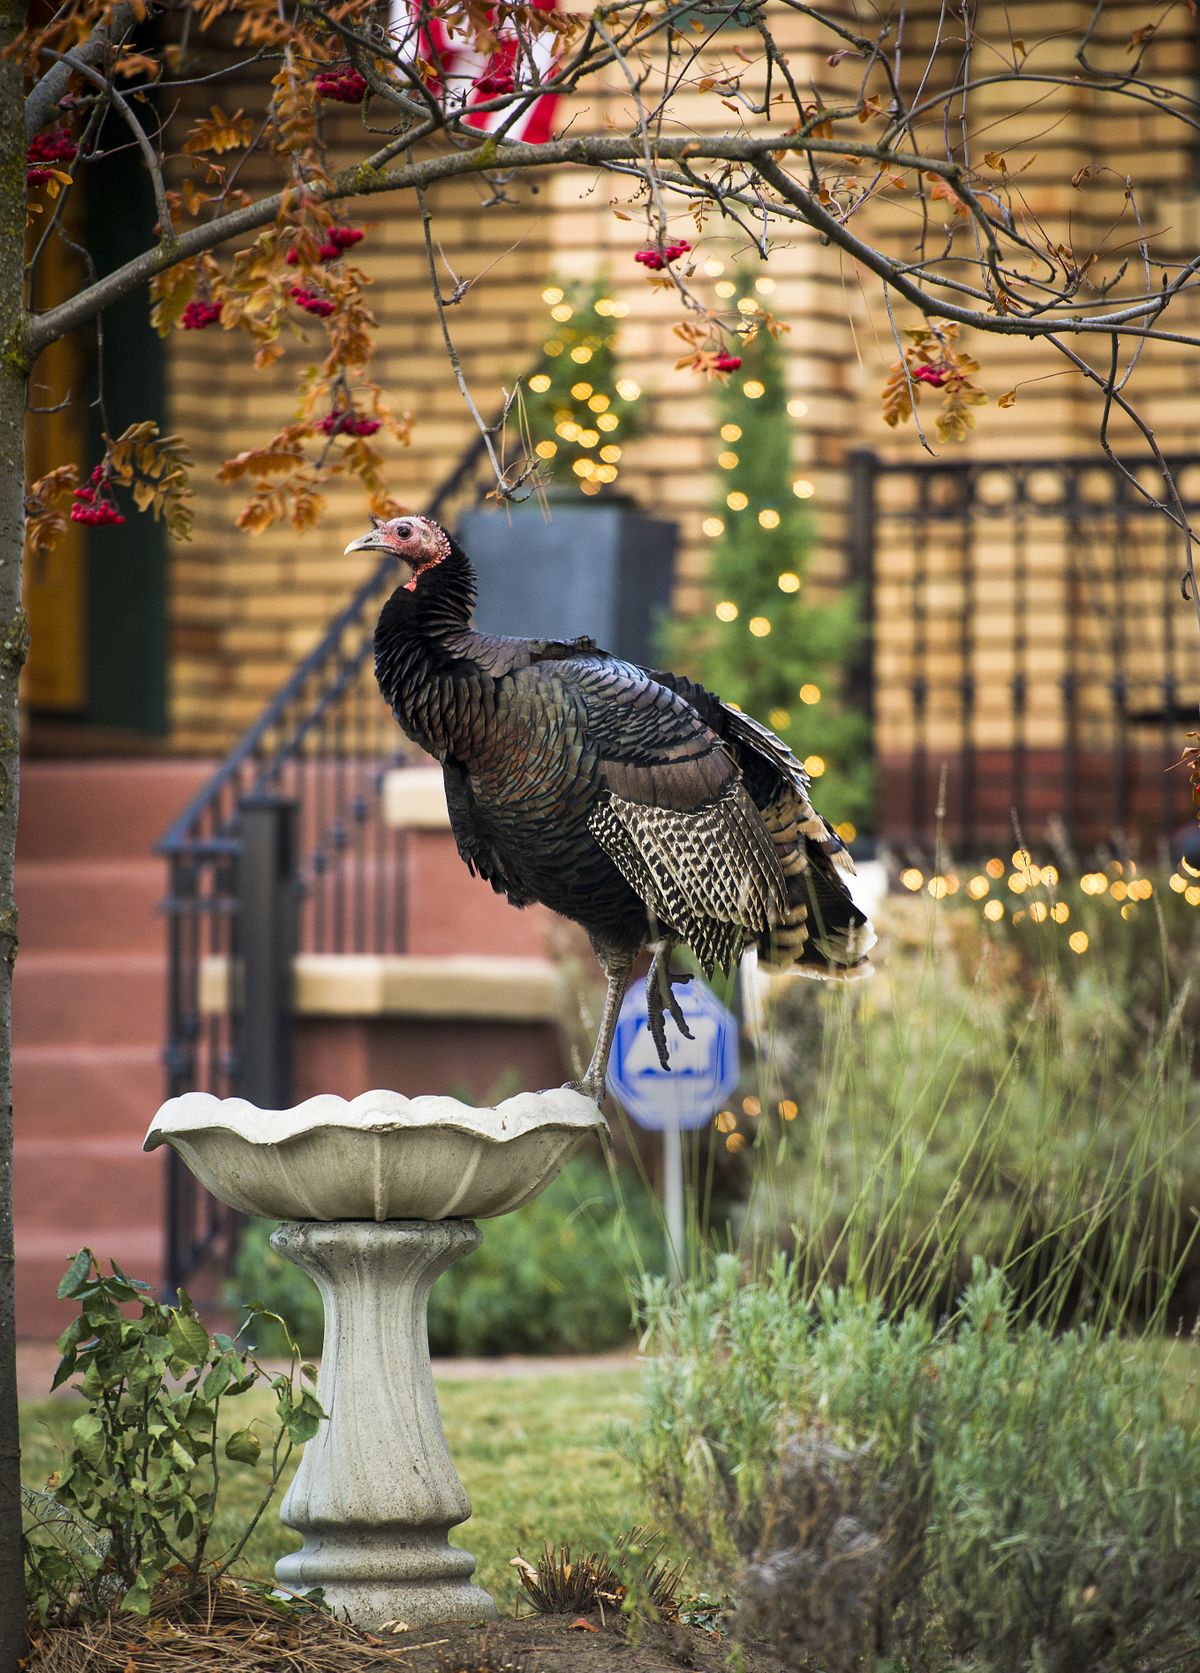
(233, 1629)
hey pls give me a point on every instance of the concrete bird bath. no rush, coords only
(378, 1196)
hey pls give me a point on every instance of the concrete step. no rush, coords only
(67, 1093)
(73, 810)
(84, 906)
(69, 999)
(43, 1254)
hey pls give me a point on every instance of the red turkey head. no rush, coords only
(417, 541)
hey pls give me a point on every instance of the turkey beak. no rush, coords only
(372, 541)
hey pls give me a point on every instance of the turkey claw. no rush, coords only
(661, 1001)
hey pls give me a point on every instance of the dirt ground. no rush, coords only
(553, 1644)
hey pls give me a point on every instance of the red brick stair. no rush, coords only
(89, 1004)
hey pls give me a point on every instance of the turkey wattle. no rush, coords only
(633, 801)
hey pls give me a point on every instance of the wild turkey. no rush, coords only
(633, 801)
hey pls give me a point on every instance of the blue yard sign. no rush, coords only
(703, 1072)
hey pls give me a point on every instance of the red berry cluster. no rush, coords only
(494, 82)
(727, 362)
(346, 423)
(198, 315)
(337, 241)
(341, 82)
(57, 146)
(656, 260)
(311, 301)
(935, 376)
(92, 505)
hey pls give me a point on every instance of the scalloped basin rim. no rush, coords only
(374, 1112)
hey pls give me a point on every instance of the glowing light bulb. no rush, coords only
(764, 286)
(552, 294)
(546, 449)
(752, 389)
(736, 501)
(994, 911)
(814, 765)
(978, 887)
(727, 461)
(712, 527)
(1078, 941)
(581, 355)
(627, 389)
(562, 312)
(599, 403)
(539, 384)
(725, 289)
(581, 391)
(847, 830)
(803, 488)
(727, 610)
(789, 582)
(810, 693)
(610, 454)
(607, 421)
(798, 408)
(729, 432)
(714, 268)
(779, 718)
(759, 626)
(768, 519)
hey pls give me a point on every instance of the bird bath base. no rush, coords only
(376, 1493)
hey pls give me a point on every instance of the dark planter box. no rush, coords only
(601, 569)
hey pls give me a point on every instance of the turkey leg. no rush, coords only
(617, 970)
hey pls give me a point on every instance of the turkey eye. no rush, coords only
(404, 532)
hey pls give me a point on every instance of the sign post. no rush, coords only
(703, 1072)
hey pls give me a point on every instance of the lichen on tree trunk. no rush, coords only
(13, 643)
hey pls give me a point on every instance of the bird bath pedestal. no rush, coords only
(378, 1196)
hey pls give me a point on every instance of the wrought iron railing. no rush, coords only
(1030, 663)
(284, 850)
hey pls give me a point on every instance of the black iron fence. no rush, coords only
(1031, 662)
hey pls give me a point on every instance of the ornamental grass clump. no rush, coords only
(979, 1495)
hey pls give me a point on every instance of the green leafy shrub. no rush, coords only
(136, 1496)
(555, 1277)
(982, 1497)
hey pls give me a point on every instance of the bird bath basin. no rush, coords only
(378, 1196)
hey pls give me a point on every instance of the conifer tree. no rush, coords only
(579, 411)
(762, 640)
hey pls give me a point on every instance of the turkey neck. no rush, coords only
(423, 658)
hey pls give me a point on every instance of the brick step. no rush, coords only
(42, 1257)
(73, 810)
(69, 1092)
(68, 999)
(83, 906)
(110, 1185)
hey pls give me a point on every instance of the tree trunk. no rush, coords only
(13, 640)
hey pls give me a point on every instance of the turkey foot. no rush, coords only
(660, 1000)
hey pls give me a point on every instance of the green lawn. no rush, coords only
(531, 1452)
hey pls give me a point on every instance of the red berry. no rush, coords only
(656, 260)
(341, 83)
(198, 315)
(344, 237)
(727, 362)
(935, 376)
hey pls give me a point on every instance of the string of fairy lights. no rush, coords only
(588, 414)
(1023, 891)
